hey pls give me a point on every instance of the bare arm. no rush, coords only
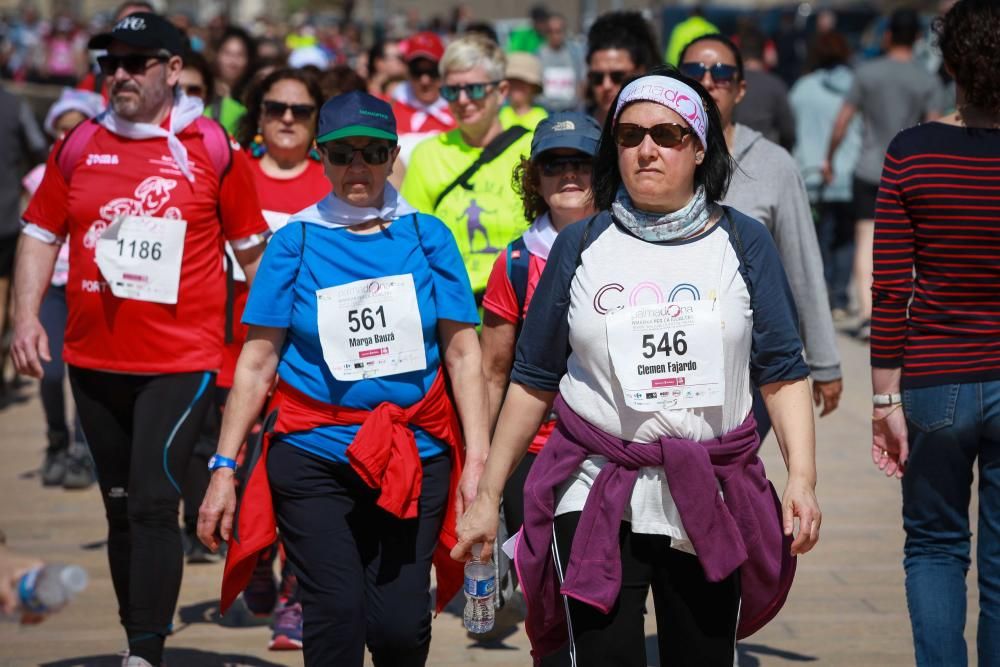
(788, 404)
(522, 413)
(252, 381)
(33, 266)
(498, 341)
(249, 260)
(890, 444)
(463, 359)
(840, 126)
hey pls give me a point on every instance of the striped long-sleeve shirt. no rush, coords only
(936, 291)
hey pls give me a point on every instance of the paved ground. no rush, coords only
(847, 606)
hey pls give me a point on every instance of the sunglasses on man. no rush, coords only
(421, 67)
(664, 135)
(276, 110)
(720, 73)
(596, 78)
(342, 154)
(133, 63)
(474, 91)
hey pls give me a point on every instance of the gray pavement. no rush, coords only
(847, 606)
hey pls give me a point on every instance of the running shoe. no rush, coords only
(864, 330)
(197, 553)
(79, 471)
(261, 593)
(287, 635)
(54, 468)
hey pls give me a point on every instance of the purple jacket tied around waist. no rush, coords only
(744, 531)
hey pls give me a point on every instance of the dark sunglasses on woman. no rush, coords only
(133, 63)
(595, 78)
(665, 135)
(342, 154)
(720, 73)
(276, 110)
(194, 90)
(556, 166)
(474, 91)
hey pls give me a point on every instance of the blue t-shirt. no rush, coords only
(284, 295)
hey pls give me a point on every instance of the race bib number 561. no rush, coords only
(668, 356)
(371, 328)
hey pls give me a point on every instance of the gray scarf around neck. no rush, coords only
(680, 224)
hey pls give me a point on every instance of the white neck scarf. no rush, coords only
(335, 213)
(438, 109)
(540, 237)
(185, 111)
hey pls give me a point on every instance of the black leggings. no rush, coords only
(141, 430)
(364, 575)
(695, 620)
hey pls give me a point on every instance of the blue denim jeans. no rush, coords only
(950, 427)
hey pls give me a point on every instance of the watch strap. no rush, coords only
(218, 461)
(885, 400)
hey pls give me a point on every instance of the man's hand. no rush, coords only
(30, 347)
(827, 393)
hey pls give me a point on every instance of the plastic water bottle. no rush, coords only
(480, 593)
(47, 589)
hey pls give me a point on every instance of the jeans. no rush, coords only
(950, 426)
(836, 245)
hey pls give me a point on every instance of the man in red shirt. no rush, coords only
(419, 109)
(146, 195)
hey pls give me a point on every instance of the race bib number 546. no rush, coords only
(668, 356)
(371, 328)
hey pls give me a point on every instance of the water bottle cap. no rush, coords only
(74, 578)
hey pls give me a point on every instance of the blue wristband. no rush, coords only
(218, 461)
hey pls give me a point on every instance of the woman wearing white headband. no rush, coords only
(651, 320)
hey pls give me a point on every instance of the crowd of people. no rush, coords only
(359, 310)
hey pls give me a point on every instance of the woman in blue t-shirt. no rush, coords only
(362, 304)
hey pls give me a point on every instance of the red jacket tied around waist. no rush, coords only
(384, 454)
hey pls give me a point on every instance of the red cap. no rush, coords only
(423, 45)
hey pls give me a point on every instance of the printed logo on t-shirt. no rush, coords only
(149, 199)
(612, 296)
(101, 159)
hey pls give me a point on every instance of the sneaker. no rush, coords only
(54, 467)
(79, 471)
(287, 635)
(864, 330)
(261, 593)
(840, 315)
(135, 661)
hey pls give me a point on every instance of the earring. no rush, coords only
(314, 153)
(257, 147)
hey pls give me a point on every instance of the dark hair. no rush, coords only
(341, 79)
(829, 49)
(714, 172)
(482, 28)
(250, 45)
(904, 27)
(250, 122)
(627, 31)
(139, 5)
(720, 39)
(526, 181)
(752, 43)
(969, 38)
(196, 61)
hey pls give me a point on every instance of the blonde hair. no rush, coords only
(471, 51)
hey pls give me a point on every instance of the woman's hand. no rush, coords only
(890, 447)
(468, 484)
(800, 501)
(478, 526)
(215, 518)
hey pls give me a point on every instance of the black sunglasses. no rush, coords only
(276, 110)
(665, 135)
(342, 154)
(555, 166)
(474, 91)
(719, 72)
(419, 69)
(133, 63)
(596, 78)
(194, 90)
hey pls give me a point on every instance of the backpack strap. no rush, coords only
(73, 146)
(518, 262)
(490, 152)
(220, 150)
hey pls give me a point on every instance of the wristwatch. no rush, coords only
(885, 400)
(218, 461)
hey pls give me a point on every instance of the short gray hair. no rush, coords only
(471, 51)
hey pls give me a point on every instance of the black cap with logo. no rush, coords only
(142, 30)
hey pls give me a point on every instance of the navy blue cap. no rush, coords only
(142, 30)
(566, 129)
(356, 114)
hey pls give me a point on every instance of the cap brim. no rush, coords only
(426, 55)
(356, 131)
(576, 143)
